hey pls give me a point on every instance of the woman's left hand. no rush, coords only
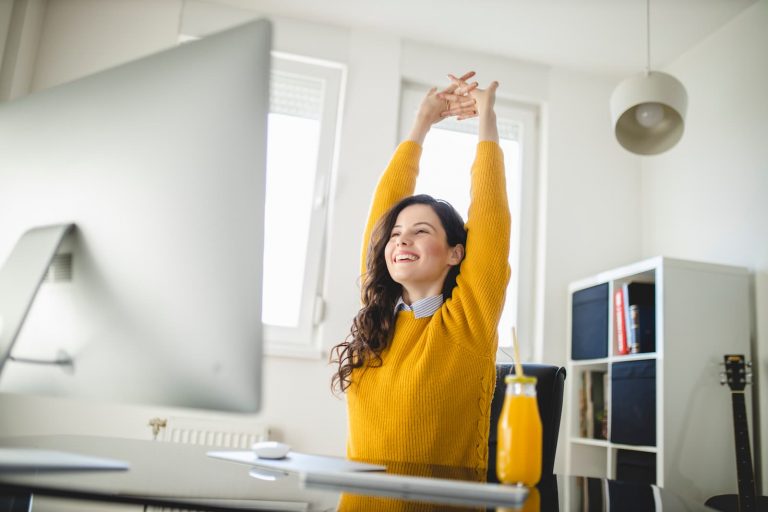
(454, 100)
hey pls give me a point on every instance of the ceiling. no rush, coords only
(605, 37)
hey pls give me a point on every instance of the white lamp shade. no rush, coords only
(647, 132)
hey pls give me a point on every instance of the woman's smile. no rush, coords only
(405, 257)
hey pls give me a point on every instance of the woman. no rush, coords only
(419, 364)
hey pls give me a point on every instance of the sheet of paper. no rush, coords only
(296, 462)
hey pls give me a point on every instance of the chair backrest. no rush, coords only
(549, 393)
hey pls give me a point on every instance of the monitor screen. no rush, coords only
(160, 165)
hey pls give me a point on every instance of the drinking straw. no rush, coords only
(518, 365)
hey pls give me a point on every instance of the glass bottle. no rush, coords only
(518, 459)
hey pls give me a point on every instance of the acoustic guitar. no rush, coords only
(737, 377)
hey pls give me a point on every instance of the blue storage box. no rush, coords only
(633, 402)
(589, 313)
(632, 466)
(630, 497)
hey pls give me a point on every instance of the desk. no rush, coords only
(182, 476)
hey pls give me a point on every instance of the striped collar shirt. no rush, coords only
(422, 308)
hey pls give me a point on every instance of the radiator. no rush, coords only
(228, 434)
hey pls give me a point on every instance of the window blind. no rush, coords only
(507, 129)
(296, 95)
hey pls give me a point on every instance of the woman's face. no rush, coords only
(417, 253)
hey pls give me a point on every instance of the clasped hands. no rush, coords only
(461, 99)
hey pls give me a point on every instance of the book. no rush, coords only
(593, 404)
(627, 318)
(621, 326)
(639, 302)
(604, 426)
(583, 405)
(590, 410)
(597, 399)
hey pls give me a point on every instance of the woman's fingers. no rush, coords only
(460, 98)
(459, 108)
(462, 78)
(451, 89)
(461, 112)
(463, 88)
(455, 98)
(467, 76)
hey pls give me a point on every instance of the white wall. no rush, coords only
(588, 187)
(20, 29)
(707, 199)
(80, 38)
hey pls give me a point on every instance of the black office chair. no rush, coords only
(15, 502)
(549, 394)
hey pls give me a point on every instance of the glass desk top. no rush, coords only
(175, 476)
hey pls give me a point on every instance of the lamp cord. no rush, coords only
(648, 36)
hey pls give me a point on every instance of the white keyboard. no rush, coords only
(434, 490)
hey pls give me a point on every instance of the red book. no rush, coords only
(620, 321)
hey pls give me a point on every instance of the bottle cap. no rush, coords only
(525, 379)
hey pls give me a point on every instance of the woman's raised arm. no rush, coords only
(484, 272)
(399, 178)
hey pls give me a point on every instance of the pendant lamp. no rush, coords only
(648, 110)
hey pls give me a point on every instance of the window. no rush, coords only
(447, 157)
(304, 104)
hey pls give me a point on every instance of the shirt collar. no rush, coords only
(422, 308)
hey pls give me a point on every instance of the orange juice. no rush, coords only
(518, 459)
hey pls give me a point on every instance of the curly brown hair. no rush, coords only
(373, 326)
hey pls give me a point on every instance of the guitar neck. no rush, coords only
(743, 453)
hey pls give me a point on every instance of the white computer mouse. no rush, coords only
(270, 450)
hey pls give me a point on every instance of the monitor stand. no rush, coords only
(20, 278)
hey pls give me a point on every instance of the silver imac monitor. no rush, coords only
(159, 166)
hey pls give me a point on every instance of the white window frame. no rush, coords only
(301, 341)
(523, 200)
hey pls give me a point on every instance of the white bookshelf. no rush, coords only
(702, 312)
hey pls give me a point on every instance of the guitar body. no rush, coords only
(730, 503)
(746, 501)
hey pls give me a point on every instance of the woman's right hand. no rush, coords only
(454, 100)
(485, 99)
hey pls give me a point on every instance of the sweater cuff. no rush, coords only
(409, 149)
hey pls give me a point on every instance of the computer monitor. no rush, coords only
(160, 165)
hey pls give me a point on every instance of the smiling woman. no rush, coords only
(432, 293)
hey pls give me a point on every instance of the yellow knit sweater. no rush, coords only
(430, 399)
